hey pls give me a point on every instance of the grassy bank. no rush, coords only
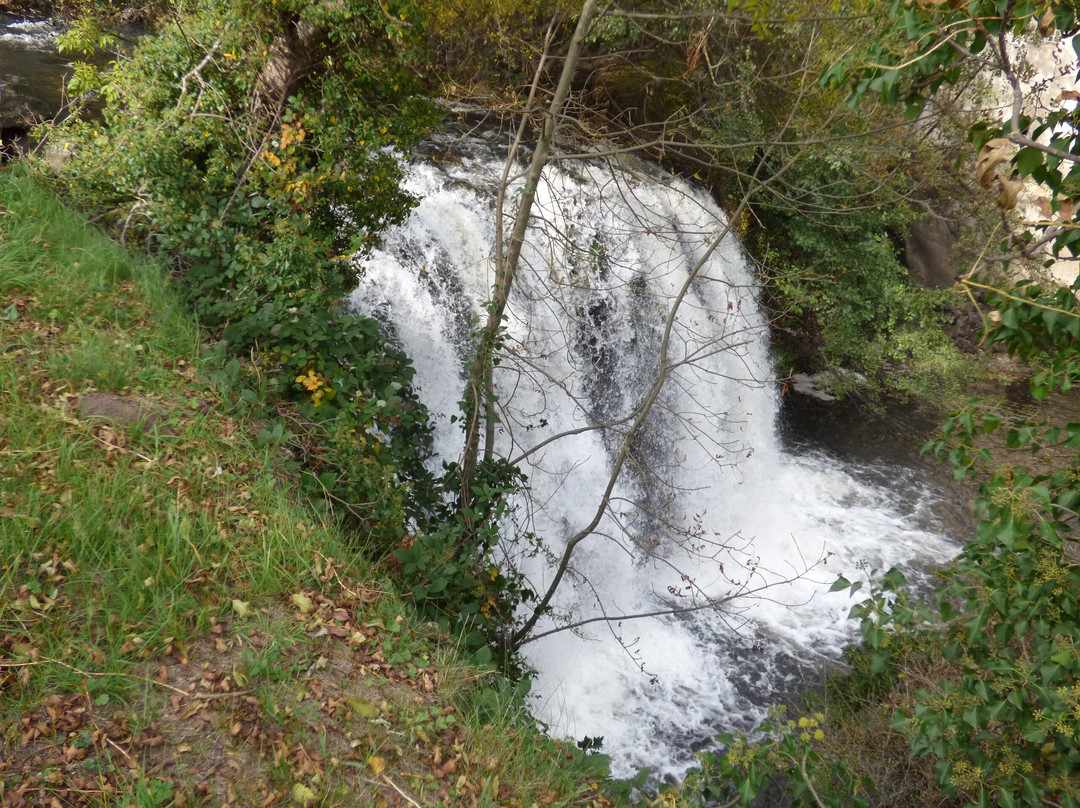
(177, 627)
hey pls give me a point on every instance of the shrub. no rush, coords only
(249, 140)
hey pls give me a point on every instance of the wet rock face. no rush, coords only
(930, 253)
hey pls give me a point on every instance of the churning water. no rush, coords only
(712, 522)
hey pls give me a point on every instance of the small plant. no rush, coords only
(452, 574)
(153, 793)
(785, 755)
(268, 665)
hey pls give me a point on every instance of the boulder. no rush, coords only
(125, 411)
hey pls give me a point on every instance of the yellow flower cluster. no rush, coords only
(740, 754)
(809, 726)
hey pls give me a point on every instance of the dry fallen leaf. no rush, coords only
(377, 764)
(303, 603)
(1047, 22)
(1010, 190)
(303, 795)
(364, 709)
(993, 154)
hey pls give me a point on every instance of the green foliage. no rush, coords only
(451, 572)
(937, 45)
(1041, 327)
(257, 159)
(481, 40)
(1003, 722)
(785, 755)
(929, 43)
(85, 38)
(263, 203)
(835, 276)
(1003, 725)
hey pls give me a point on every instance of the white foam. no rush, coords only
(609, 251)
(39, 35)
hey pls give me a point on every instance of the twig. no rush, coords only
(1018, 299)
(195, 71)
(47, 660)
(342, 584)
(126, 754)
(393, 785)
(809, 785)
(232, 694)
(974, 267)
(270, 127)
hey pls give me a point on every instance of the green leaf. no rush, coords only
(364, 709)
(879, 662)
(840, 583)
(894, 580)
(1032, 792)
(1006, 799)
(1027, 160)
(1062, 657)
(747, 789)
(1033, 734)
(1000, 600)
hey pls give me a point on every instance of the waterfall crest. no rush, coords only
(710, 511)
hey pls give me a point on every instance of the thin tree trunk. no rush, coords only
(479, 392)
(663, 372)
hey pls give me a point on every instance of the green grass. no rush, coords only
(133, 517)
(177, 626)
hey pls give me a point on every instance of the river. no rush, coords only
(32, 72)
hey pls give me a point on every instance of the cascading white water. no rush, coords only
(709, 505)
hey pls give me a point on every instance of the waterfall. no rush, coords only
(710, 510)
